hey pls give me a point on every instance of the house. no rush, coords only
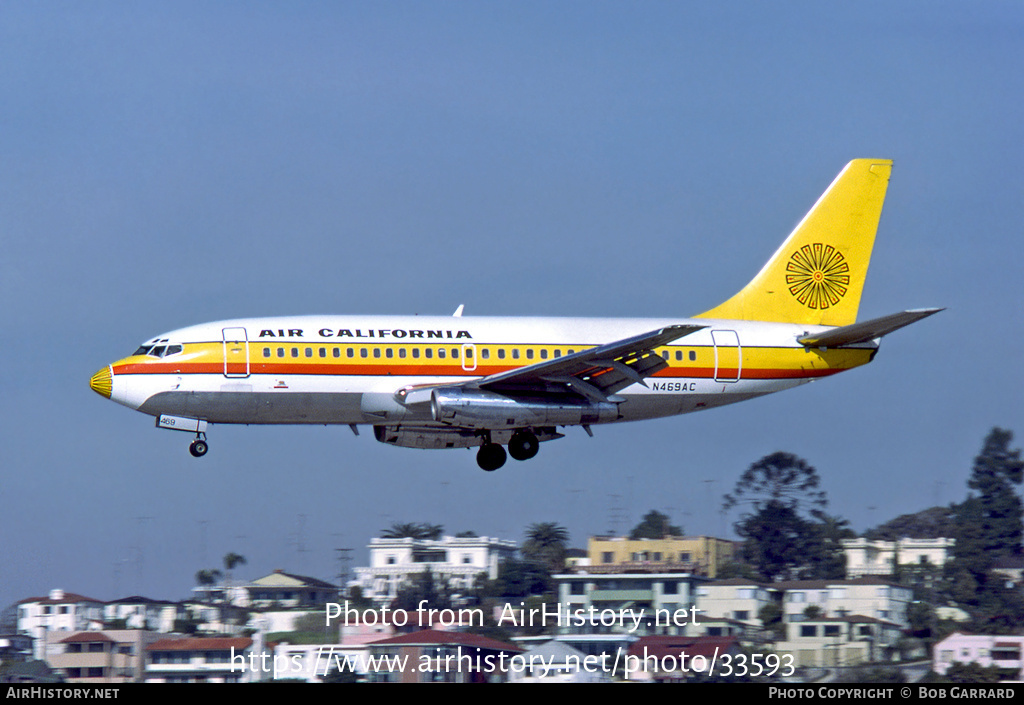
(59, 611)
(108, 656)
(137, 612)
(834, 642)
(645, 601)
(457, 560)
(208, 660)
(866, 596)
(986, 650)
(735, 598)
(700, 555)
(866, 557)
(287, 590)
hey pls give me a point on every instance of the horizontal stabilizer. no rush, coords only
(866, 330)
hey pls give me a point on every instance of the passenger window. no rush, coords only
(416, 352)
(440, 353)
(429, 352)
(389, 352)
(515, 354)
(309, 352)
(350, 352)
(529, 354)
(558, 353)
(455, 353)
(543, 354)
(469, 353)
(501, 353)
(376, 352)
(280, 352)
(401, 352)
(693, 355)
(336, 352)
(485, 354)
(266, 352)
(295, 352)
(323, 352)
(363, 352)
(679, 355)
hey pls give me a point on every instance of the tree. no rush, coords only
(779, 534)
(827, 560)
(232, 561)
(205, 578)
(992, 522)
(413, 530)
(780, 477)
(931, 523)
(546, 544)
(989, 527)
(423, 587)
(775, 540)
(654, 526)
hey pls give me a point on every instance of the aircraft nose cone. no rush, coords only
(102, 382)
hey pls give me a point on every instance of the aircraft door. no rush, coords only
(468, 357)
(236, 352)
(728, 355)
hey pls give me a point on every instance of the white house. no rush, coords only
(459, 560)
(864, 557)
(57, 612)
(986, 650)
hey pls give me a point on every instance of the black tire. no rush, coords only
(198, 448)
(490, 457)
(523, 445)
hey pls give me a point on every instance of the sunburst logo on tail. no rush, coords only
(817, 275)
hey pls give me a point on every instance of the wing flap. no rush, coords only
(596, 373)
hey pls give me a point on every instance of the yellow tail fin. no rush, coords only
(817, 276)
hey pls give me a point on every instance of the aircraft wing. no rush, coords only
(597, 373)
(866, 330)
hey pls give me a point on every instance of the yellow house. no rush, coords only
(701, 555)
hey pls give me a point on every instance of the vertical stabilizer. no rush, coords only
(817, 276)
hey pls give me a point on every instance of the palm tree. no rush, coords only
(206, 579)
(413, 530)
(231, 560)
(546, 544)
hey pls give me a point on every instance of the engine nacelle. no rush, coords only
(474, 408)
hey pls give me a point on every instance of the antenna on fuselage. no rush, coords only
(458, 311)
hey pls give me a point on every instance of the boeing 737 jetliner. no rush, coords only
(463, 382)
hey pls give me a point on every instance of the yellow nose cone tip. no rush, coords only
(102, 382)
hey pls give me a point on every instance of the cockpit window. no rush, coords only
(158, 350)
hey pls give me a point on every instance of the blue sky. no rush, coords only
(166, 164)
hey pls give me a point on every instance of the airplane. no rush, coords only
(487, 382)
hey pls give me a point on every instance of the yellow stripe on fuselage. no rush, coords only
(377, 359)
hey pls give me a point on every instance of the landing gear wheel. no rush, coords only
(198, 448)
(523, 446)
(490, 457)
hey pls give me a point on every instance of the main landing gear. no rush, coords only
(522, 446)
(199, 446)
